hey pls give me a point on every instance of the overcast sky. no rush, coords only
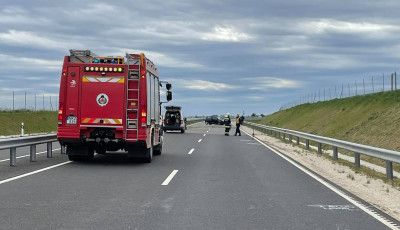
(220, 56)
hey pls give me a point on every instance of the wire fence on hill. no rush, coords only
(370, 85)
(23, 100)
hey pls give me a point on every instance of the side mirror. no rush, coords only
(168, 86)
(169, 95)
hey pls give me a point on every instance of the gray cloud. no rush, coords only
(251, 55)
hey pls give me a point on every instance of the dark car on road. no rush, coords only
(214, 119)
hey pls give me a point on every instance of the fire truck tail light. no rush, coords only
(181, 122)
(144, 116)
(60, 114)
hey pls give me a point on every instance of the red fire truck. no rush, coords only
(108, 104)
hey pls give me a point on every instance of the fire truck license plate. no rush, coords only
(71, 120)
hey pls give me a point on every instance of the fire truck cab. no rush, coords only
(108, 104)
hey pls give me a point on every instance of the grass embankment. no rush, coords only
(34, 122)
(370, 120)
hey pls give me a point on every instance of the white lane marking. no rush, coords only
(191, 151)
(199, 140)
(204, 135)
(207, 131)
(337, 191)
(34, 172)
(169, 178)
(30, 155)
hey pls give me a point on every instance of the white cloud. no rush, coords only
(225, 34)
(23, 38)
(255, 98)
(8, 62)
(202, 99)
(202, 85)
(161, 59)
(267, 83)
(328, 25)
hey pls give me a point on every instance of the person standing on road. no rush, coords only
(238, 125)
(227, 124)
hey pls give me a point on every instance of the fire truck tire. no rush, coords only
(182, 131)
(149, 154)
(158, 148)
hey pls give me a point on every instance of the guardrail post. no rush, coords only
(297, 140)
(290, 138)
(274, 133)
(279, 135)
(13, 156)
(33, 153)
(63, 150)
(284, 137)
(389, 170)
(49, 150)
(307, 144)
(357, 159)
(335, 153)
(319, 148)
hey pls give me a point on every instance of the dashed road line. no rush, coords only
(204, 135)
(191, 151)
(170, 177)
(200, 140)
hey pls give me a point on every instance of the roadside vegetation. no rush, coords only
(34, 122)
(369, 119)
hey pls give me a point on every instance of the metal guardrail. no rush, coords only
(32, 141)
(389, 156)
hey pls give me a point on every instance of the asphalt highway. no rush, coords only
(202, 180)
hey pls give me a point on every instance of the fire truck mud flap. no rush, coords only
(141, 152)
(80, 152)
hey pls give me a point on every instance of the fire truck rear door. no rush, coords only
(102, 101)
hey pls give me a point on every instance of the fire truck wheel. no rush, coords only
(158, 150)
(149, 154)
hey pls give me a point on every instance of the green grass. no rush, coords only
(34, 122)
(372, 120)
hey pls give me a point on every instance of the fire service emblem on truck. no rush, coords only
(102, 99)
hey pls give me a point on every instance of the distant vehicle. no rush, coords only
(173, 119)
(214, 119)
(109, 103)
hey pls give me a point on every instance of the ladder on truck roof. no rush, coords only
(132, 100)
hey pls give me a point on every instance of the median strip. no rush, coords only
(170, 177)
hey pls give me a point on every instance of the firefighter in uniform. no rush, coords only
(238, 125)
(227, 123)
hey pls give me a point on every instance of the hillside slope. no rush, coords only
(34, 122)
(370, 119)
